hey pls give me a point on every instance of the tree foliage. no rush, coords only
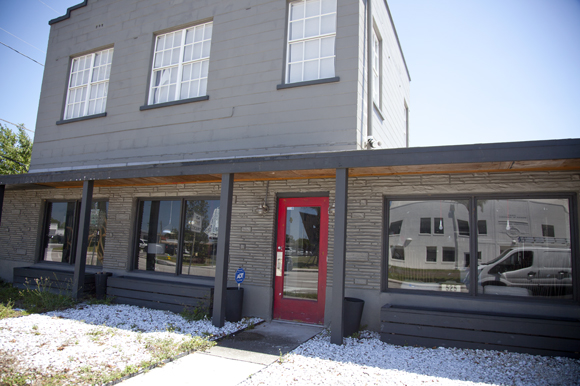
(15, 151)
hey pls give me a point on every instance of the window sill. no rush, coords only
(307, 83)
(63, 121)
(174, 103)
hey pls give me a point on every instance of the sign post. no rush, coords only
(240, 276)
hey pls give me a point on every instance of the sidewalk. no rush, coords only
(233, 359)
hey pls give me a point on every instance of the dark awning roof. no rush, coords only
(496, 157)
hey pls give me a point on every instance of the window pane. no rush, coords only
(302, 253)
(412, 248)
(526, 248)
(59, 243)
(312, 49)
(311, 70)
(295, 73)
(202, 87)
(312, 27)
(296, 30)
(208, 31)
(97, 233)
(431, 255)
(425, 225)
(205, 50)
(327, 47)
(297, 10)
(327, 68)
(200, 237)
(312, 8)
(328, 24)
(328, 6)
(296, 52)
(463, 227)
(159, 224)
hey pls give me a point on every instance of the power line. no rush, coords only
(4, 120)
(49, 7)
(22, 40)
(21, 54)
(19, 163)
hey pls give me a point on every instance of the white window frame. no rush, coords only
(88, 86)
(297, 54)
(170, 76)
(376, 59)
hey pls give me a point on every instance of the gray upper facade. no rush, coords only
(142, 82)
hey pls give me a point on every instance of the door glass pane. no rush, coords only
(60, 232)
(159, 233)
(525, 248)
(422, 257)
(97, 233)
(200, 237)
(301, 253)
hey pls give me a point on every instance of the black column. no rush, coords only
(339, 258)
(223, 251)
(82, 240)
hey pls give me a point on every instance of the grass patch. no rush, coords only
(36, 298)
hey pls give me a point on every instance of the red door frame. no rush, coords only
(309, 311)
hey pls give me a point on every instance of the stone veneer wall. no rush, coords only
(252, 237)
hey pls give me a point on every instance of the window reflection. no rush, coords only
(301, 253)
(424, 249)
(526, 251)
(174, 243)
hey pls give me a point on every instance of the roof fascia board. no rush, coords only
(480, 153)
(397, 37)
(68, 12)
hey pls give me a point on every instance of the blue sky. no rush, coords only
(481, 70)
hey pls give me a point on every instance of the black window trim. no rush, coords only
(44, 220)
(132, 264)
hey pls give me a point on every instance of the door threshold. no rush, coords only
(298, 323)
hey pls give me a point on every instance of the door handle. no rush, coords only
(561, 275)
(279, 259)
(531, 275)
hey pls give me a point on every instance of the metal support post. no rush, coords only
(223, 250)
(82, 240)
(339, 258)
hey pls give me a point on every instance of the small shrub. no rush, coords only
(38, 298)
(200, 312)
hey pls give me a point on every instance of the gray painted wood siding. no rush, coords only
(245, 114)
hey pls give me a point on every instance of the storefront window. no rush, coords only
(429, 229)
(523, 246)
(526, 251)
(177, 241)
(61, 230)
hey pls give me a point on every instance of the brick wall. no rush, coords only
(252, 235)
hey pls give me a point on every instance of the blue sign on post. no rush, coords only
(240, 276)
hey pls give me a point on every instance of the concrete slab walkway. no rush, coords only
(233, 359)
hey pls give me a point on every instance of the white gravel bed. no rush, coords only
(369, 361)
(98, 337)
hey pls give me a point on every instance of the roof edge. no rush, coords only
(397, 37)
(457, 154)
(68, 12)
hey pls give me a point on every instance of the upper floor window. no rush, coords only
(311, 36)
(376, 69)
(88, 84)
(180, 64)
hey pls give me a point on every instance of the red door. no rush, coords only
(301, 257)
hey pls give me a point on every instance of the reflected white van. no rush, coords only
(543, 271)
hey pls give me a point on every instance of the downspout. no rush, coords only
(369, 71)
